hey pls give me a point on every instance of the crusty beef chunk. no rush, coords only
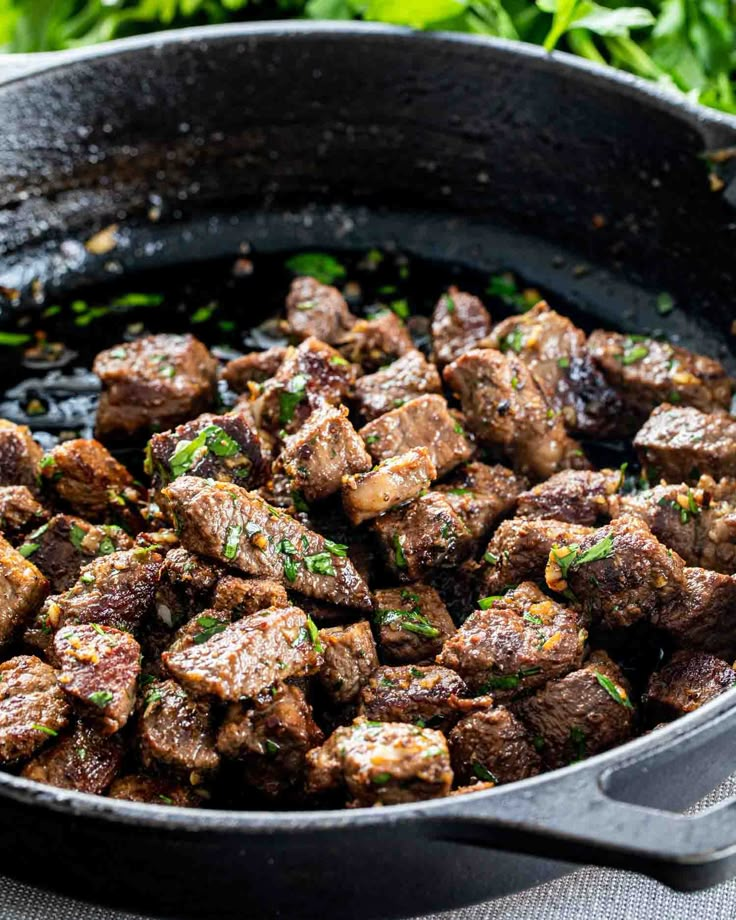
(32, 707)
(60, 548)
(685, 683)
(271, 739)
(153, 790)
(317, 309)
(425, 534)
(516, 642)
(422, 422)
(493, 746)
(254, 367)
(350, 658)
(19, 456)
(394, 481)
(242, 597)
(519, 551)
(459, 322)
(19, 512)
(429, 695)
(186, 586)
(505, 408)
(391, 386)
(249, 656)
(680, 443)
(480, 494)
(153, 384)
(99, 672)
(384, 764)
(581, 714)
(237, 527)
(704, 616)
(374, 342)
(84, 759)
(647, 372)
(576, 496)
(22, 590)
(413, 623)
(620, 573)
(321, 452)
(220, 447)
(176, 731)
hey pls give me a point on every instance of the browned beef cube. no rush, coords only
(89, 480)
(254, 367)
(579, 715)
(19, 512)
(271, 739)
(22, 590)
(648, 372)
(685, 683)
(704, 617)
(317, 309)
(32, 707)
(516, 642)
(680, 444)
(186, 586)
(429, 695)
(249, 656)
(60, 548)
(620, 573)
(220, 447)
(480, 494)
(422, 422)
(201, 628)
(237, 527)
(384, 764)
(390, 387)
(577, 496)
(393, 482)
(84, 759)
(350, 658)
(99, 671)
(519, 551)
(322, 451)
(153, 790)
(492, 746)
(374, 342)
(459, 322)
(505, 408)
(413, 623)
(241, 597)
(176, 731)
(19, 456)
(153, 384)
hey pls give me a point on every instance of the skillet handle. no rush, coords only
(581, 816)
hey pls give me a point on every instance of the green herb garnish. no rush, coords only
(100, 698)
(45, 729)
(612, 690)
(409, 620)
(211, 439)
(232, 541)
(399, 557)
(210, 627)
(574, 559)
(483, 773)
(320, 564)
(290, 397)
(325, 268)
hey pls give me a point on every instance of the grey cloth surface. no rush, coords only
(587, 894)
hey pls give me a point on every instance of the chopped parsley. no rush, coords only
(665, 303)
(320, 564)
(291, 569)
(449, 304)
(290, 397)
(613, 690)
(325, 268)
(211, 439)
(633, 351)
(232, 541)
(76, 535)
(687, 511)
(87, 578)
(338, 361)
(514, 341)
(28, 549)
(577, 739)
(574, 559)
(563, 362)
(45, 729)
(412, 621)
(272, 748)
(399, 557)
(509, 681)
(372, 438)
(106, 546)
(490, 558)
(483, 773)
(299, 502)
(313, 635)
(400, 308)
(210, 627)
(485, 602)
(337, 549)
(100, 698)
(380, 779)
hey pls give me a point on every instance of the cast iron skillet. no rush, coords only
(476, 151)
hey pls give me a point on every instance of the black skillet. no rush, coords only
(480, 152)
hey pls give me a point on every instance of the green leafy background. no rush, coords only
(689, 45)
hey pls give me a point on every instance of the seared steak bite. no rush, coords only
(349, 659)
(32, 707)
(84, 759)
(391, 386)
(685, 683)
(413, 623)
(19, 456)
(704, 616)
(680, 443)
(153, 790)
(493, 746)
(480, 494)
(186, 585)
(271, 739)
(648, 372)
(237, 527)
(620, 573)
(459, 322)
(254, 367)
(579, 715)
(99, 672)
(422, 422)
(384, 764)
(22, 590)
(317, 309)
(393, 482)
(515, 642)
(373, 342)
(153, 384)
(576, 496)
(505, 408)
(242, 597)
(249, 656)
(19, 512)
